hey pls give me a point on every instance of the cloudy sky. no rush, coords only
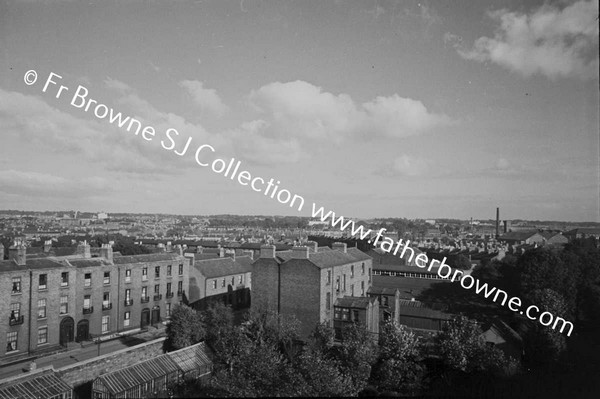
(372, 108)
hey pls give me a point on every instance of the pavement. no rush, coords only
(77, 353)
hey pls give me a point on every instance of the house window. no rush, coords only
(385, 301)
(42, 335)
(369, 274)
(351, 271)
(64, 304)
(11, 339)
(344, 287)
(144, 292)
(345, 314)
(157, 272)
(362, 288)
(106, 277)
(355, 315)
(337, 284)
(157, 288)
(180, 288)
(351, 289)
(181, 269)
(128, 276)
(337, 313)
(241, 279)
(223, 283)
(168, 310)
(64, 279)
(105, 322)
(328, 277)
(15, 311)
(328, 301)
(43, 281)
(16, 285)
(232, 281)
(87, 279)
(168, 289)
(169, 270)
(363, 268)
(214, 284)
(126, 319)
(41, 308)
(127, 294)
(106, 300)
(87, 301)
(144, 274)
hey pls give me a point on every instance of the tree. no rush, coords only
(543, 344)
(398, 367)
(462, 262)
(356, 354)
(186, 328)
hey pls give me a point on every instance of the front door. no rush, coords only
(155, 315)
(66, 331)
(145, 318)
(83, 331)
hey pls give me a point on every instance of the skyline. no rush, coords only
(409, 109)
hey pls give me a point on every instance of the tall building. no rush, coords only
(52, 301)
(316, 285)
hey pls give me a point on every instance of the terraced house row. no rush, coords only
(47, 301)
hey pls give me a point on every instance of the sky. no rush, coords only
(416, 109)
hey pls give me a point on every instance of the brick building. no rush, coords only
(51, 301)
(307, 282)
(227, 279)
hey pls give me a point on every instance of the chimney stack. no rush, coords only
(300, 253)
(18, 253)
(267, 251)
(340, 246)
(106, 252)
(497, 222)
(47, 246)
(179, 249)
(169, 246)
(161, 247)
(1, 251)
(83, 249)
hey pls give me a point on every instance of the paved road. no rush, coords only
(75, 355)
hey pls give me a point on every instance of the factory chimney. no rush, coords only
(497, 223)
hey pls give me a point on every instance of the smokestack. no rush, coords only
(497, 222)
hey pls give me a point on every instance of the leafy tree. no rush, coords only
(462, 262)
(541, 269)
(356, 354)
(543, 344)
(320, 375)
(398, 368)
(462, 348)
(186, 328)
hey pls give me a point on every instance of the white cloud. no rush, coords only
(552, 42)
(206, 99)
(304, 110)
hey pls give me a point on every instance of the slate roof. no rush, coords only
(45, 384)
(331, 258)
(220, 267)
(354, 302)
(518, 235)
(146, 258)
(419, 309)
